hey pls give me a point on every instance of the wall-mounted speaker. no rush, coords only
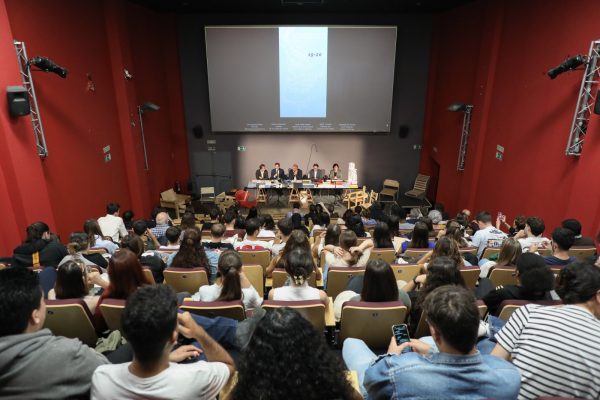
(198, 131)
(403, 131)
(597, 105)
(18, 101)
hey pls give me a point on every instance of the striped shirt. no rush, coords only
(556, 350)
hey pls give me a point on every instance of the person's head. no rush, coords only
(447, 247)
(535, 226)
(191, 253)
(277, 165)
(379, 282)
(188, 221)
(427, 222)
(22, 307)
(573, 225)
(356, 225)
(335, 167)
(296, 241)
(229, 268)
(71, 281)
(455, 231)
(415, 213)
(133, 243)
(217, 231)
(324, 219)
(453, 318)
(462, 219)
(520, 222)
(393, 225)
(149, 323)
(467, 213)
(285, 227)
(92, 228)
(382, 237)
(252, 227)
(214, 214)
(299, 265)
(229, 217)
(319, 208)
(113, 208)
(536, 279)
(37, 231)
(484, 219)
(262, 167)
(252, 213)
(139, 227)
(435, 216)
(562, 239)
(296, 205)
(528, 261)
(295, 167)
(315, 166)
(401, 213)
(162, 218)
(358, 210)
(296, 220)
(420, 236)
(579, 283)
(509, 252)
(440, 271)
(173, 234)
(268, 222)
(78, 241)
(125, 274)
(332, 235)
(284, 342)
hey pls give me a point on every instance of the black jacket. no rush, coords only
(50, 253)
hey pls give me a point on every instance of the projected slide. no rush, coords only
(303, 72)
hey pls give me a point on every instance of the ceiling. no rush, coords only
(301, 6)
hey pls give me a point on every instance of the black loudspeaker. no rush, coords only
(18, 101)
(198, 131)
(403, 131)
(597, 105)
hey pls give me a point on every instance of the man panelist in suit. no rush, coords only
(315, 173)
(262, 173)
(295, 173)
(277, 172)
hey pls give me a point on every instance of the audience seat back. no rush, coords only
(387, 255)
(582, 252)
(470, 275)
(112, 309)
(256, 257)
(185, 279)
(211, 309)
(371, 322)
(503, 276)
(507, 307)
(406, 272)
(70, 318)
(254, 273)
(312, 310)
(338, 277)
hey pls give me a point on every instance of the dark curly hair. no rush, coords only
(288, 358)
(578, 282)
(191, 254)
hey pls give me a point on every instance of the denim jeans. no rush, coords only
(358, 357)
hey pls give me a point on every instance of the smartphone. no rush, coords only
(400, 332)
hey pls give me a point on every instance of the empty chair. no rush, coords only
(177, 202)
(338, 277)
(470, 275)
(228, 309)
(387, 255)
(389, 191)
(255, 275)
(371, 322)
(406, 272)
(185, 279)
(112, 309)
(582, 252)
(207, 194)
(419, 189)
(70, 318)
(256, 257)
(312, 310)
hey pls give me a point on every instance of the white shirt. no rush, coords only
(250, 296)
(264, 233)
(276, 248)
(296, 293)
(532, 240)
(489, 236)
(252, 244)
(112, 226)
(199, 380)
(331, 260)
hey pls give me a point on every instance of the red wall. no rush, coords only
(98, 38)
(494, 55)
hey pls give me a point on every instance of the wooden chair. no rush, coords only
(544, 251)
(207, 194)
(390, 189)
(148, 274)
(312, 310)
(280, 276)
(472, 250)
(470, 275)
(255, 275)
(338, 277)
(371, 198)
(211, 309)
(261, 197)
(503, 276)
(70, 318)
(223, 201)
(256, 257)
(582, 252)
(112, 309)
(177, 202)
(185, 279)
(489, 251)
(356, 199)
(406, 272)
(294, 196)
(507, 307)
(371, 322)
(419, 189)
(387, 255)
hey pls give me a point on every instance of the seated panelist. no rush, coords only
(277, 172)
(315, 173)
(262, 173)
(336, 172)
(295, 173)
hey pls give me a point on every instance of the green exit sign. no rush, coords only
(241, 148)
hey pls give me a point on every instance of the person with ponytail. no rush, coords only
(299, 266)
(74, 280)
(77, 248)
(231, 284)
(95, 238)
(40, 248)
(347, 254)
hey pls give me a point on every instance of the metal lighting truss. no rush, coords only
(464, 138)
(585, 102)
(36, 119)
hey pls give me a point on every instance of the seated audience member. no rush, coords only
(78, 245)
(356, 225)
(414, 215)
(486, 235)
(295, 173)
(295, 210)
(297, 240)
(299, 265)
(431, 232)
(284, 227)
(125, 276)
(556, 348)
(252, 213)
(435, 216)
(335, 172)
(40, 248)
(151, 325)
(277, 172)
(455, 231)
(73, 282)
(173, 236)
(315, 173)
(251, 242)
(378, 284)
(420, 238)
(262, 173)
(267, 226)
(458, 370)
(162, 224)
(445, 247)
(403, 224)
(382, 238)
(518, 224)
(347, 253)
(288, 359)
(535, 281)
(188, 221)
(440, 271)
(232, 234)
(128, 219)
(140, 228)
(231, 283)
(214, 219)
(562, 240)
(330, 237)
(191, 254)
(575, 226)
(95, 238)
(507, 258)
(532, 234)
(35, 364)
(440, 207)
(111, 224)
(298, 225)
(320, 221)
(150, 260)
(366, 218)
(312, 213)
(215, 248)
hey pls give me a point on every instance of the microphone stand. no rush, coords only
(310, 156)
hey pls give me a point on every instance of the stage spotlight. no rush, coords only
(148, 107)
(457, 107)
(568, 65)
(47, 65)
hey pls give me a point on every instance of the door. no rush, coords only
(212, 168)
